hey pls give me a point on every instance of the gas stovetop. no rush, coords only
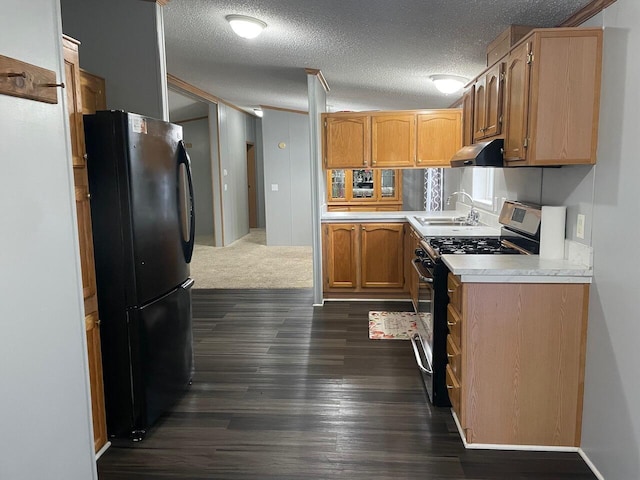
(469, 246)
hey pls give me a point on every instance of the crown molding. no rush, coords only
(199, 93)
(321, 79)
(591, 9)
(290, 110)
(162, 3)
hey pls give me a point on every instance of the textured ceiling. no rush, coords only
(374, 54)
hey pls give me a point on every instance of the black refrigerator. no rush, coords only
(143, 232)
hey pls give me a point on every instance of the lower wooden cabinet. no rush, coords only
(516, 373)
(83, 214)
(412, 239)
(363, 257)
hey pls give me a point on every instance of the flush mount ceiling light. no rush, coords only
(246, 27)
(448, 83)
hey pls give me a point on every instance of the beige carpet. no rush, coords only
(250, 263)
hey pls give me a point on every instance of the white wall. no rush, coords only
(45, 419)
(611, 420)
(287, 210)
(122, 41)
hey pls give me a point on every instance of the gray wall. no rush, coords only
(235, 131)
(611, 422)
(317, 96)
(216, 174)
(122, 41)
(196, 136)
(45, 416)
(260, 174)
(413, 189)
(287, 210)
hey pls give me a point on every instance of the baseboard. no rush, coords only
(345, 299)
(590, 464)
(104, 448)
(500, 446)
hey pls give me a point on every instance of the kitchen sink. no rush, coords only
(442, 221)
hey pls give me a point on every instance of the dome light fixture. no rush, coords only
(448, 84)
(246, 27)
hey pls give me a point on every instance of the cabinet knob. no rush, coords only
(85, 156)
(353, 228)
(88, 196)
(363, 227)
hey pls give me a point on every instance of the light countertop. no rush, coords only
(409, 216)
(516, 269)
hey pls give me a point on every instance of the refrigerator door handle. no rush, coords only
(183, 159)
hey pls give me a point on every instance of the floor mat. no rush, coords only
(392, 325)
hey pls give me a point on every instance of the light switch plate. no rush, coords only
(580, 226)
(274, 187)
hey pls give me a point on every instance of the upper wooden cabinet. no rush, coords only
(93, 92)
(553, 98)
(487, 103)
(393, 139)
(347, 141)
(546, 107)
(439, 136)
(364, 189)
(467, 116)
(74, 101)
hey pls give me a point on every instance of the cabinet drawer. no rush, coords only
(454, 289)
(454, 322)
(454, 357)
(453, 388)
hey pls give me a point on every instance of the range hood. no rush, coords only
(481, 154)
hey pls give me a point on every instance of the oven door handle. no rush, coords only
(417, 354)
(421, 274)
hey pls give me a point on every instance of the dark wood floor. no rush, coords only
(283, 390)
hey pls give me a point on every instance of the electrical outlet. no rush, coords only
(580, 226)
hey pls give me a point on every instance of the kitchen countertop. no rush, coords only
(516, 269)
(409, 216)
(477, 268)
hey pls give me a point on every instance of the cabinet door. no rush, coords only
(487, 104)
(347, 141)
(493, 100)
(87, 262)
(479, 109)
(382, 248)
(93, 93)
(337, 183)
(467, 116)
(363, 185)
(439, 138)
(388, 183)
(565, 97)
(74, 102)
(94, 359)
(393, 140)
(516, 103)
(341, 255)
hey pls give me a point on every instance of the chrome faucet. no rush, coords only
(473, 217)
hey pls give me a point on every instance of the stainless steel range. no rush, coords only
(520, 234)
